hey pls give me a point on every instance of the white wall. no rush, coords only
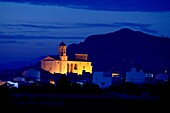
(103, 79)
(134, 76)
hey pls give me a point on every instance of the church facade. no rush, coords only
(63, 65)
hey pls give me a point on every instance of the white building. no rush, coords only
(103, 79)
(19, 79)
(134, 76)
(149, 78)
(32, 75)
(161, 77)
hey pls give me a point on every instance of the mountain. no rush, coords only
(14, 65)
(123, 49)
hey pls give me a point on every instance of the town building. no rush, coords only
(103, 79)
(116, 79)
(31, 75)
(63, 64)
(162, 77)
(134, 76)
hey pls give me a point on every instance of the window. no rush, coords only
(75, 66)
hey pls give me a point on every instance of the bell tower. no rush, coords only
(62, 51)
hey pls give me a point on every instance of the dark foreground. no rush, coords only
(31, 103)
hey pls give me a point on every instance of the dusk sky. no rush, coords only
(73, 19)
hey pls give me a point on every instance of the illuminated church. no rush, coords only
(63, 65)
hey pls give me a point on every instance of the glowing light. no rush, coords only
(12, 84)
(52, 82)
(115, 74)
(2, 82)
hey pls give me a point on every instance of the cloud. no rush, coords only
(33, 26)
(31, 31)
(73, 25)
(1, 32)
(110, 5)
(149, 30)
(33, 37)
(7, 42)
(36, 28)
(87, 25)
(39, 44)
(117, 24)
(132, 24)
(139, 26)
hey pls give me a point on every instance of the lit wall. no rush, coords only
(78, 67)
(49, 66)
(81, 56)
(63, 67)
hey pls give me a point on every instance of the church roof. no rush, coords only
(56, 57)
(62, 44)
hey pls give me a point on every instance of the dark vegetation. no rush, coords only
(67, 96)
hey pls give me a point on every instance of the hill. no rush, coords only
(123, 49)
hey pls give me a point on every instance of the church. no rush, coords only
(62, 64)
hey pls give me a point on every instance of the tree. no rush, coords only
(63, 84)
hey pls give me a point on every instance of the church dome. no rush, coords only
(62, 44)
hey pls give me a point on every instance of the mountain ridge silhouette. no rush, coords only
(123, 49)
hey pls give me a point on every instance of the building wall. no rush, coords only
(33, 74)
(79, 66)
(58, 66)
(63, 67)
(50, 66)
(19, 79)
(161, 77)
(104, 80)
(64, 58)
(135, 77)
(81, 56)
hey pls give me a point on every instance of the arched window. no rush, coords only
(75, 66)
(68, 69)
(71, 67)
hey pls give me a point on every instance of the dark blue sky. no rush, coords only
(74, 18)
(77, 18)
(112, 5)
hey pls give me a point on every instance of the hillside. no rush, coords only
(125, 48)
